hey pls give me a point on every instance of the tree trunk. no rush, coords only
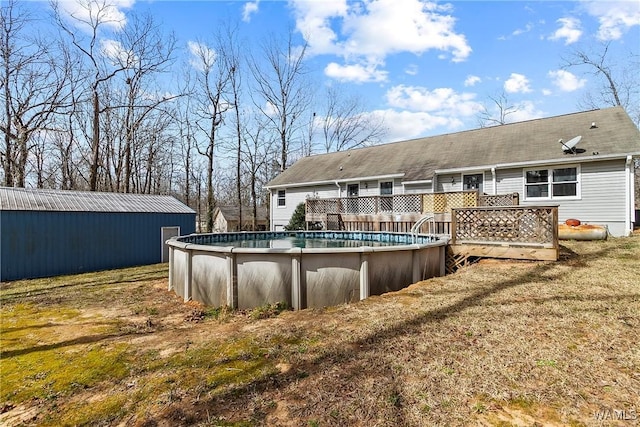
(95, 143)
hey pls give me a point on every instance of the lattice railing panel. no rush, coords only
(407, 203)
(428, 202)
(499, 200)
(505, 225)
(404, 203)
(322, 206)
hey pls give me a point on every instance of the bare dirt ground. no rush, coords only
(498, 343)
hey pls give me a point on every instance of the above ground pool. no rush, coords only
(303, 269)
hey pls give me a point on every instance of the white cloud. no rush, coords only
(569, 30)
(202, 56)
(118, 55)
(546, 92)
(367, 32)
(615, 17)
(356, 73)
(517, 83)
(472, 80)
(249, 9)
(566, 81)
(403, 125)
(525, 110)
(110, 12)
(444, 101)
(526, 29)
(412, 70)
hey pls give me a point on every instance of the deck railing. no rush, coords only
(398, 212)
(522, 225)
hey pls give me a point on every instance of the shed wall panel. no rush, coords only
(46, 243)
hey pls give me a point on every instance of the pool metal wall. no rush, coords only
(245, 278)
(49, 243)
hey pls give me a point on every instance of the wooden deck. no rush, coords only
(477, 226)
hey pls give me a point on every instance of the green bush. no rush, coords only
(297, 221)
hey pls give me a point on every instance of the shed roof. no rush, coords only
(231, 213)
(529, 141)
(23, 199)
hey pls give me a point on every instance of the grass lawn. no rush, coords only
(499, 343)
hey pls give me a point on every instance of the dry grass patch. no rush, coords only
(498, 343)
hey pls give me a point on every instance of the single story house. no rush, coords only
(581, 162)
(226, 218)
(53, 232)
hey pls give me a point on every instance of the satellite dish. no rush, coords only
(570, 146)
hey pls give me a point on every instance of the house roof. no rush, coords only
(23, 199)
(231, 213)
(528, 142)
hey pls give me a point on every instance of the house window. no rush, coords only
(352, 190)
(386, 188)
(551, 183)
(472, 182)
(282, 198)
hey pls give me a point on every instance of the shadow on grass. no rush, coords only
(89, 339)
(239, 396)
(11, 292)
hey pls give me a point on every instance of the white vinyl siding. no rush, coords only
(416, 189)
(294, 196)
(602, 194)
(448, 182)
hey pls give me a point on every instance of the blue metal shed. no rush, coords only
(53, 232)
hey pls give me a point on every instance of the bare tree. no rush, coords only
(345, 124)
(282, 92)
(257, 150)
(35, 81)
(95, 17)
(619, 84)
(497, 112)
(144, 53)
(212, 82)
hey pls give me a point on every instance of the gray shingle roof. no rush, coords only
(231, 213)
(529, 141)
(23, 199)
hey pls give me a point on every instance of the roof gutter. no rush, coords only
(536, 163)
(336, 181)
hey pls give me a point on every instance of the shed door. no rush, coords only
(167, 233)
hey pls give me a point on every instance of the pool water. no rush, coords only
(305, 239)
(302, 242)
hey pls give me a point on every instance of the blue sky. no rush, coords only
(427, 67)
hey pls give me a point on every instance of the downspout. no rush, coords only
(493, 177)
(339, 188)
(272, 226)
(628, 195)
